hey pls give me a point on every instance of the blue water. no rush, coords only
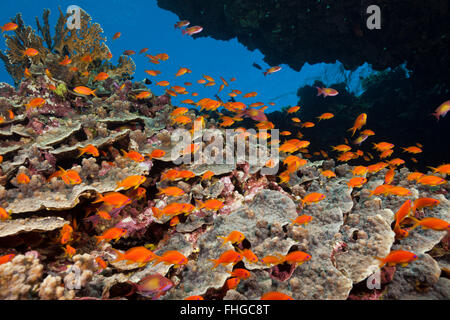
(144, 24)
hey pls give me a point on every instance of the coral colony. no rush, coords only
(110, 192)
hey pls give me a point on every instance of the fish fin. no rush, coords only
(93, 92)
(100, 198)
(120, 256)
(404, 264)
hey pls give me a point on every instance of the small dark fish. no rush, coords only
(147, 81)
(257, 66)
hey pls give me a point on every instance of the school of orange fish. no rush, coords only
(405, 216)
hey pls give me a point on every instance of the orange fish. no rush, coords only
(133, 155)
(293, 109)
(250, 95)
(303, 219)
(65, 234)
(27, 73)
(271, 260)
(22, 178)
(272, 70)
(35, 103)
(249, 255)
(396, 162)
(234, 237)
(69, 177)
(431, 223)
(389, 177)
(443, 169)
(143, 50)
(382, 189)
(399, 191)
(275, 295)
(382, 146)
(414, 176)
(65, 61)
(131, 182)
(424, 202)
(342, 148)
(403, 212)
(163, 83)
(328, 174)
(4, 215)
(207, 175)
(356, 182)
(30, 52)
(115, 199)
(116, 35)
(296, 257)
(111, 234)
(140, 255)
(360, 170)
(194, 298)
(240, 273)
(398, 257)
(6, 258)
(374, 168)
(103, 214)
(412, 149)
(211, 204)
(101, 263)
(143, 95)
(152, 72)
(430, 180)
(87, 58)
(70, 251)
(325, 116)
(89, 149)
(442, 110)
(359, 123)
(327, 92)
(182, 120)
(182, 71)
(171, 257)
(101, 76)
(229, 256)
(313, 198)
(85, 91)
(171, 191)
(9, 26)
(157, 153)
(232, 283)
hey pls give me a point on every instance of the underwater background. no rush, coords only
(80, 168)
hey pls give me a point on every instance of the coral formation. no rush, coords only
(96, 187)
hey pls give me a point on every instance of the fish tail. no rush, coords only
(81, 152)
(120, 255)
(416, 223)
(436, 115)
(99, 239)
(158, 213)
(432, 168)
(199, 204)
(216, 263)
(124, 152)
(93, 92)
(319, 91)
(100, 198)
(382, 262)
(352, 129)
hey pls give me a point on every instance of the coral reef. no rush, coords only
(96, 202)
